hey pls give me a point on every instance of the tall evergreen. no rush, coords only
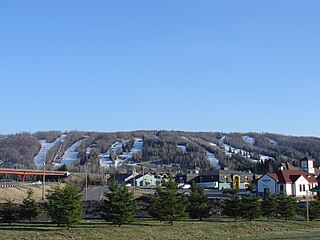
(168, 205)
(198, 204)
(250, 208)
(9, 212)
(232, 207)
(269, 205)
(119, 206)
(29, 208)
(64, 205)
(286, 206)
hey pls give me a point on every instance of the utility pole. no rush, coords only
(134, 182)
(307, 200)
(86, 174)
(44, 177)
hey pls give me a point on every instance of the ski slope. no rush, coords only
(213, 160)
(105, 160)
(70, 155)
(45, 147)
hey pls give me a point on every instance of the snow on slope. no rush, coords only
(213, 160)
(105, 160)
(45, 147)
(70, 155)
(272, 141)
(183, 148)
(248, 140)
(229, 150)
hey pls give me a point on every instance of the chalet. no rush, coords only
(290, 180)
(144, 180)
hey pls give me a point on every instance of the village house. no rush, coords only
(290, 180)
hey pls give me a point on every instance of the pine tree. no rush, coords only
(29, 207)
(119, 206)
(9, 212)
(250, 208)
(315, 210)
(198, 205)
(64, 205)
(269, 205)
(168, 205)
(232, 207)
(286, 206)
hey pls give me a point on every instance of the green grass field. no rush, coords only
(149, 229)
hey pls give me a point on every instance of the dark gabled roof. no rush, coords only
(288, 166)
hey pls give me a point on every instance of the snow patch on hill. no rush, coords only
(183, 148)
(248, 140)
(273, 142)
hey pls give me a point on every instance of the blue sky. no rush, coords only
(175, 65)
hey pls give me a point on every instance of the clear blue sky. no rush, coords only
(175, 65)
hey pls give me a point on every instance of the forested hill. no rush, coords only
(257, 152)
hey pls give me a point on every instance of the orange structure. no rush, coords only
(24, 172)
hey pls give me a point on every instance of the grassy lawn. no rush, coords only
(149, 229)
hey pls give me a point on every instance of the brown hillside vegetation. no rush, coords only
(19, 193)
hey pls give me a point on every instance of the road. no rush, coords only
(96, 193)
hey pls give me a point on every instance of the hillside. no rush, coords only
(176, 150)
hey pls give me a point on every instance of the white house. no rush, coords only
(145, 180)
(289, 180)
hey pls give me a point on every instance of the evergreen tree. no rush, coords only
(250, 208)
(63, 168)
(29, 207)
(168, 204)
(286, 206)
(269, 205)
(232, 207)
(64, 205)
(9, 212)
(198, 203)
(119, 206)
(315, 210)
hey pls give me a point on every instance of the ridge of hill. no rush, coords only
(177, 150)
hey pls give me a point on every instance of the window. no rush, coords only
(304, 187)
(300, 188)
(281, 188)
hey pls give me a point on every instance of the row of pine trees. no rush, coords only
(64, 206)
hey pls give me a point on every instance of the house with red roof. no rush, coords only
(290, 180)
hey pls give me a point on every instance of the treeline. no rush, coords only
(163, 146)
(18, 150)
(280, 147)
(49, 136)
